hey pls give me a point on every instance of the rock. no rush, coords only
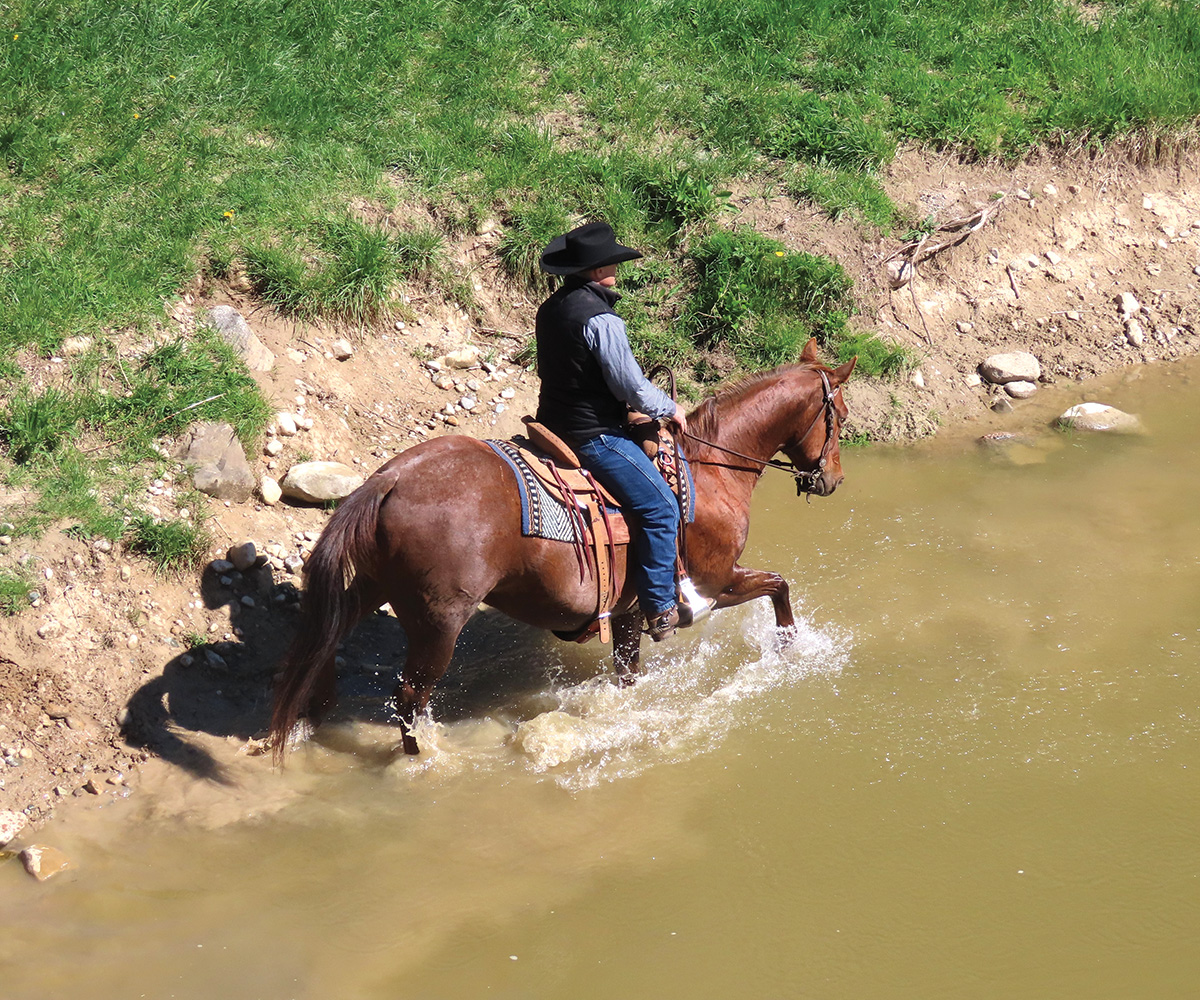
(11, 824)
(1024, 195)
(341, 349)
(1128, 304)
(1100, 417)
(917, 378)
(468, 402)
(899, 273)
(293, 563)
(508, 393)
(269, 490)
(1017, 366)
(242, 556)
(1001, 404)
(232, 327)
(220, 469)
(74, 346)
(285, 424)
(132, 642)
(221, 566)
(44, 862)
(1049, 190)
(272, 448)
(1020, 389)
(963, 326)
(1134, 333)
(1196, 270)
(973, 380)
(1147, 205)
(464, 357)
(247, 601)
(1053, 258)
(49, 630)
(318, 482)
(102, 545)
(1074, 314)
(126, 573)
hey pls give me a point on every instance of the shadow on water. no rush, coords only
(223, 688)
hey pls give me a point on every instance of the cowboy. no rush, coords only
(589, 381)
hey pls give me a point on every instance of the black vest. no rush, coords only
(574, 400)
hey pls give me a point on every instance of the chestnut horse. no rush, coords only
(436, 531)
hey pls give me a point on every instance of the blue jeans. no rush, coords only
(623, 469)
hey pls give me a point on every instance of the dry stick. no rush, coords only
(1012, 281)
(913, 292)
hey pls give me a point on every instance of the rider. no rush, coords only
(588, 379)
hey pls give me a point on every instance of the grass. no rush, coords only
(14, 592)
(171, 545)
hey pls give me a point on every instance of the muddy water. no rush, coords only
(975, 773)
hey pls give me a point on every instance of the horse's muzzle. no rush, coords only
(820, 486)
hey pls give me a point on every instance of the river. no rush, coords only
(973, 774)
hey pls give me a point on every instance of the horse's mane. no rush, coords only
(703, 422)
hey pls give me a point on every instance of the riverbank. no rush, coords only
(113, 663)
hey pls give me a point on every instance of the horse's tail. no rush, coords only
(331, 606)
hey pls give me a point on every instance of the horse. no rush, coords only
(435, 532)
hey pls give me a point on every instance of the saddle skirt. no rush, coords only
(561, 501)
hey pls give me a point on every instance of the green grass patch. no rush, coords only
(844, 192)
(14, 592)
(761, 301)
(174, 545)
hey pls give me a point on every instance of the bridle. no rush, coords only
(806, 482)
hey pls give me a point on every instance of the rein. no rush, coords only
(806, 482)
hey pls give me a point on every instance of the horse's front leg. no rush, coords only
(747, 584)
(627, 645)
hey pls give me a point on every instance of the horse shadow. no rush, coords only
(223, 688)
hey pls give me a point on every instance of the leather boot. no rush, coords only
(663, 624)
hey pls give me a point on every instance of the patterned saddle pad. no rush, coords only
(543, 514)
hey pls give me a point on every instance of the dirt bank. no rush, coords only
(113, 663)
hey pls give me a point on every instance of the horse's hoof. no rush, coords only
(627, 679)
(409, 742)
(786, 636)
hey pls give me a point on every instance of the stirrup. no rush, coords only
(663, 624)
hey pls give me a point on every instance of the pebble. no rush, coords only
(1001, 405)
(1024, 195)
(1128, 304)
(1020, 390)
(11, 824)
(1100, 417)
(1049, 190)
(1052, 257)
(468, 402)
(285, 424)
(963, 326)
(132, 642)
(242, 556)
(508, 392)
(273, 447)
(48, 573)
(49, 630)
(43, 862)
(1134, 333)
(102, 545)
(5, 539)
(917, 378)
(1196, 270)
(341, 349)
(221, 566)
(1074, 314)
(269, 490)
(248, 601)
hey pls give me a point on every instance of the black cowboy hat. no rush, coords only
(592, 245)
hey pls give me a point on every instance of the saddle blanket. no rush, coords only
(543, 514)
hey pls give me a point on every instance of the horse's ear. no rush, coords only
(809, 354)
(841, 374)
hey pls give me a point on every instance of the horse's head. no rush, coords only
(814, 449)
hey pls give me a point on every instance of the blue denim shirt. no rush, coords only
(606, 338)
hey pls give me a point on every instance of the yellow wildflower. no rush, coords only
(228, 215)
(15, 37)
(136, 115)
(778, 253)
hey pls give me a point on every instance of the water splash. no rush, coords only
(693, 695)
